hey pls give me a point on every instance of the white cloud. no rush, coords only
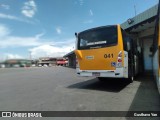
(91, 12)
(14, 41)
(8, 40)
(88, 22)
(12, 56)
(52, 51)
(29, 8)
(58, 30)
(11, 17)
(5, 56)
(40, 47)
(39, 35)
(4, 31)
(81, 2)
(7, 7)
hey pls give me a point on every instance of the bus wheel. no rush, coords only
(131, 79)
(101, 79)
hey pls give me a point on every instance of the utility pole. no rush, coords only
(30, 55)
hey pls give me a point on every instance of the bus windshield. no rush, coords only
(97, 38)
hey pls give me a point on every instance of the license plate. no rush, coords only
(97, 74)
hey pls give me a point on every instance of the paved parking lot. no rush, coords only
(59, 89)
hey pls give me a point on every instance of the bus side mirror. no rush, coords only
(75, 34)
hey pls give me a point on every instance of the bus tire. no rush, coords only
(131, 79)
(101, 79)
(131, 72)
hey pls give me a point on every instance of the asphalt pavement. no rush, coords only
(60, 89)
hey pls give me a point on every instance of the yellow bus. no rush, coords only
(106, 51)
(156, 50)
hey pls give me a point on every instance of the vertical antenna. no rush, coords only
(135, 11)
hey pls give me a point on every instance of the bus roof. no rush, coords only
(97, 28)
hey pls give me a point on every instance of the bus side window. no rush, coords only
(83, 43)
(126, 43)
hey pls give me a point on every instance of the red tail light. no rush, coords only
(119, 60)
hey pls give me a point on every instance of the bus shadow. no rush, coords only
(110, 85)
(146, 98)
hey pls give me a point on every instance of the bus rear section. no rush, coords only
(100, 53)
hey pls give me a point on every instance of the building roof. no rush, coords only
(142, 17)
(69, 54)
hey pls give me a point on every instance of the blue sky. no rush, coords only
(46, 27)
